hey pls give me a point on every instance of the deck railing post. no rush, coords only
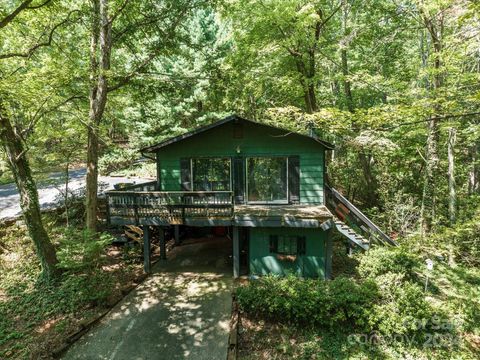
(135, 208)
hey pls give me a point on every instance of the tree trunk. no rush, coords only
(474, 173)
(100, 50)
(67, 180)
(18, 163)
(346, 83)
(372, 198)
(432, 157)
(452, 197)
(343, 53)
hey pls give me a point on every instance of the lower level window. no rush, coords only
(287, 244)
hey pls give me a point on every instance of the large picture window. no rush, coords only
(211, 174)
(267, 179)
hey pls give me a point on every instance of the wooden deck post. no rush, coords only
(177, 234)
(236, 252)
(163, 249)
(328, 254)
(146, 249)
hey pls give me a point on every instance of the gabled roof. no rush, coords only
(232, 118)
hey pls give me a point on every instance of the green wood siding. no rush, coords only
(262, 262)
(256, 141)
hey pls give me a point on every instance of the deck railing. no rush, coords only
(169, 206)
(355, 218)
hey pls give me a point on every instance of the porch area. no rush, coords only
(142, 205)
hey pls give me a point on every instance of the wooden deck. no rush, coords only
(209, 208)
(300, 215)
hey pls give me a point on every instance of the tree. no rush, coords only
(149, 26)
(20, 168)
(12, 141)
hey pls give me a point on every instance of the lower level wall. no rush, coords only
(312, 264)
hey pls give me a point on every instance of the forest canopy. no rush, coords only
(393, 83)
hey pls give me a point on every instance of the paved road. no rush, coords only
(48, 193)
(181, 311)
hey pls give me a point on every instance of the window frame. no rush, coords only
(230, 184)
(285, 201)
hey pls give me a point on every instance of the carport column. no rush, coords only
(146, 249)
(236, 252)
(328, 254)
(177, 234)
(163, 250)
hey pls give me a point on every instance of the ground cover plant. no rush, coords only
(383, 311)
(37, 316)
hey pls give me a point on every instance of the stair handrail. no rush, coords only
(361, 216)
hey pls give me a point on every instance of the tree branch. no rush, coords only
(29, 52)
(9, 18)
(23, 6)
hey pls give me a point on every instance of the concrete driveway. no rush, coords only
(182, 311)
(48, 190)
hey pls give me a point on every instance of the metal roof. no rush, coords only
(236, 118)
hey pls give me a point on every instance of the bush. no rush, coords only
(81, 249)
(383, 260)
(400, 307)
(341, 302)
(389, 305)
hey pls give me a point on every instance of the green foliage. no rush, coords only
(384, 260)
(461, 243)
(80, 249)
(333, 304)
(400, 306)
(116, 159)
(387, 301)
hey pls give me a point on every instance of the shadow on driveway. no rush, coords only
(182, 311)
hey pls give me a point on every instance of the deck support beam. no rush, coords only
(163, 248)
(147, 267)
(236, 252)
(176, 229)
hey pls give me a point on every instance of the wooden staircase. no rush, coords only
(353, 224)
(351, 235)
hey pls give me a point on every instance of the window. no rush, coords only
(287, 245)
(267, 179)
(211, 174)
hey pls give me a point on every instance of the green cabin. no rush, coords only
(266, 185)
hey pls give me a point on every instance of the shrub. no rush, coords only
(400, 307)
(340, 302)
(81, 249)
(382, 260)
(389, 305)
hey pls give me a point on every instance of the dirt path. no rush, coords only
(182, 311)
